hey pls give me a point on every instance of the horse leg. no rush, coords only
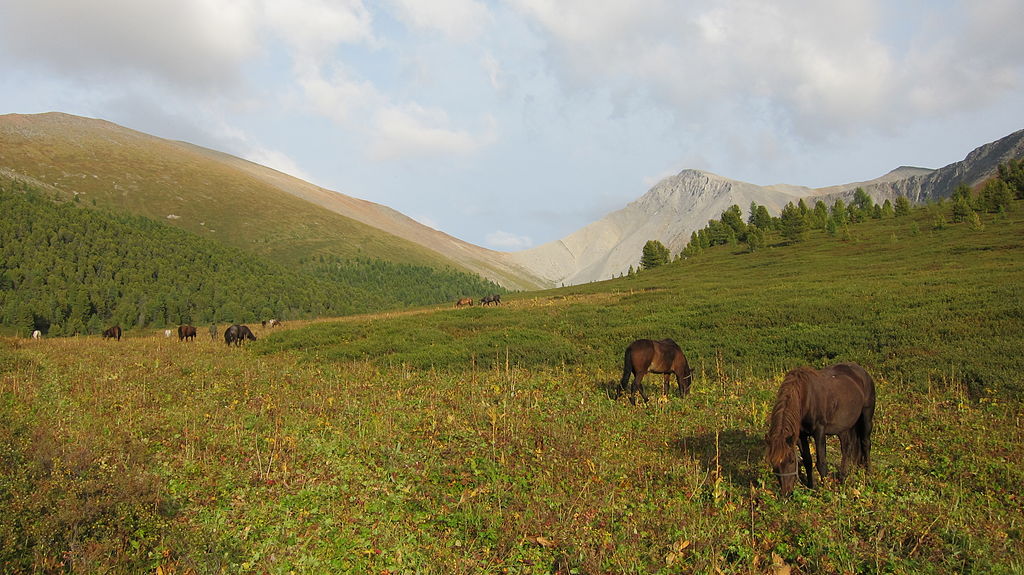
(638, 384)
(819, 452)
(864, 430)
(664, 386)
(627, 371)
(849, 446)
(805, 456)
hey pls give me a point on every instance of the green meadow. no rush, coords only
(482, 440)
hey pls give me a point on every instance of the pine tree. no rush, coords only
(995, 195)
(819, 217)
(839, 213)
(755, 238)
(733, 218)
(887, 210)
(1013, 174)
(902, 206)
(862, 204)
(655, 254)
(760, 217)
(793, 224)
(962, 209)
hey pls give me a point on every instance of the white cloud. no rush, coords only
(508, 242)
(338, 97)
(821, 70)
(459, 20)
(312, 28)
(191, 44)
(492, 68)
(413, 130)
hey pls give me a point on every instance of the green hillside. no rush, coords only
(66, 269)
(926, 303)
(108, 166)
(468, 441)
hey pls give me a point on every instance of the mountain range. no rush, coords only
(283, 218)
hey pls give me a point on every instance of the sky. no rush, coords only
(512, 123)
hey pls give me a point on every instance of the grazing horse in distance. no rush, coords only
(274, 322)
(186, 332)
(112, 332)
(237, 334)
(37, 334)
(464, 301)
(489, 299)
(838, 400)
(645, 356)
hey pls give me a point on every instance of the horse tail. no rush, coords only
(627, 368)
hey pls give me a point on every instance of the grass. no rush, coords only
(482, 440)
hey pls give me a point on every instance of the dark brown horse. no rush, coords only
(186, 332)
(489, 299)
(837, 400)
(112, 332)
(237, 334)
(645, 356)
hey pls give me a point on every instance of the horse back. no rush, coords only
(838, 397)
(663, 356)
(856, 376)
(639, 354)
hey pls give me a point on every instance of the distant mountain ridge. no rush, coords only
(683, 203)
(668, 212)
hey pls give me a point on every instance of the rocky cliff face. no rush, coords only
(921, 185)
(669, 212)
(683, 203)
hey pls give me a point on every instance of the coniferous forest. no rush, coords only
(69, 269)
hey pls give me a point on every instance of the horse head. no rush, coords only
(785, 464)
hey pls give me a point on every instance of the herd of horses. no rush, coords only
(235, 334)
(486, 300)
(835, 401)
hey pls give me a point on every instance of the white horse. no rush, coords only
(167, 333)
(37, 334)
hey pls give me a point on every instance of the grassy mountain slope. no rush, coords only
(120, 169)
(496, 266)
(444, 440)
(66, 269)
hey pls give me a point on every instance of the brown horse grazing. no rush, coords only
(645, 356)
(112, 332)
(186, 332)
(464, 301)
(837, 400)
(237, 334)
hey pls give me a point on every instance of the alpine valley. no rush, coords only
(284, 219)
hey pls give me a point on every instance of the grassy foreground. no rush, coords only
(482, 440)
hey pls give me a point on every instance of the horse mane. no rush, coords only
(784, 422)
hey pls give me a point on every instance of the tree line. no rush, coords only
(67, 269)
(795, 221)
